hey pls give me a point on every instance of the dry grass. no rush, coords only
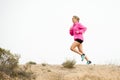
(9, 68)
(44, 64)
(69, 63)
(31, 62)
(79, 72)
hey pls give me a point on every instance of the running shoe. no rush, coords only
(89, 62)
(83, 57)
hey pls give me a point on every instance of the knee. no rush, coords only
(71, 48)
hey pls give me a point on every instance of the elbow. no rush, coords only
(71, 33)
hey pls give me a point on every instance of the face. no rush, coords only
(74, 20)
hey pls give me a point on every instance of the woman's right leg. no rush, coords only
(73, 47)
(80, 48)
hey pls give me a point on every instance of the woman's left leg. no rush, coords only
(73, 47)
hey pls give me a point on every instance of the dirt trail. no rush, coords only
(80, 72)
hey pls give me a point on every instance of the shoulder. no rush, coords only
(79, 24)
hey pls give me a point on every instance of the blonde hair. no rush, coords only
(76, 17)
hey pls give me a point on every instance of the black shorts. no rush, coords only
(79, 40)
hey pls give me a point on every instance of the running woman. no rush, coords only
(77, 31)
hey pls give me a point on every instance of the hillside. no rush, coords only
(79, 72)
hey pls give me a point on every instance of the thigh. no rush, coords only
(75, 44)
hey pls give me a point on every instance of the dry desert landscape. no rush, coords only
(79, 72)
(10, 69)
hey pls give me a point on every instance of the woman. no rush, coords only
(77, 31)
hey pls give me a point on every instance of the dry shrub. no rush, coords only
(44, 64)
(31, 62)
(8, 61)
(69, 63)
(9, 66)
(3, 76)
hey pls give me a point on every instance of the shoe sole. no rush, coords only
(89, 63)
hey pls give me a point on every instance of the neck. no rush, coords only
(76, 22)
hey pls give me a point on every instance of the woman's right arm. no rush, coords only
(71, 31)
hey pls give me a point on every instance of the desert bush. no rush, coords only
(23, 75)
(8, 61)
(3, 76)
(69, 63)
(44, 64)
(9, 67)
(31, 62)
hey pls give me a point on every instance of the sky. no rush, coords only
(38, 30)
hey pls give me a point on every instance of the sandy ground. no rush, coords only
(80, 72)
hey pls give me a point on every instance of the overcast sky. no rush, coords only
(38, 30)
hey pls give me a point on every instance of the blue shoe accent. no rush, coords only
(89, 62)
(83, 57)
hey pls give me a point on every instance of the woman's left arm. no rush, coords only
(81, 29)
